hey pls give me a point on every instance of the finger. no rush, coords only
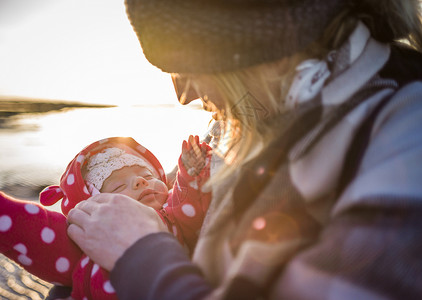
(187, 144)
(193, 139)
(76, 233)
(94, 201)
(195, 147)
(197, 151)
(184, 146)
(78, 217)
(88, 206)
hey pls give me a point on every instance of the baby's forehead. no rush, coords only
(133, 169)
(140, 168)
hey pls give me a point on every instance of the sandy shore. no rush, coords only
(16, 283)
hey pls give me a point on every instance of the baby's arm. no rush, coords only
(36, 238)
(188, 202)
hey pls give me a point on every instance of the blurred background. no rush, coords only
(73, 72)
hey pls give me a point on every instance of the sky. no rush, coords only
(78, 50)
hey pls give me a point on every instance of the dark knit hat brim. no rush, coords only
(205, 36)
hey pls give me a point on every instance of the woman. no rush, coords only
(319, 194)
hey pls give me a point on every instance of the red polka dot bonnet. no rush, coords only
(95, 163)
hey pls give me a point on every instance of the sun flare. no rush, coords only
(76, 50)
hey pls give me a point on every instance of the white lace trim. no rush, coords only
(101, 165)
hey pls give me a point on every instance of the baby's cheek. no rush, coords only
(160, 186)
(127, 192)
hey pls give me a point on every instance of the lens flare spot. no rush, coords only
(259, 223)
(260, 171)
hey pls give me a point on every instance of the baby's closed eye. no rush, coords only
(118, 188)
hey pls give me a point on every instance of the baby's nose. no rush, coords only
(139, 181)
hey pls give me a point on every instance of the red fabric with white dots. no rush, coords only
(37, 238)
(187, 205)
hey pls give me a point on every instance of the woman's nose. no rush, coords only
(184, 90)
(138, 182)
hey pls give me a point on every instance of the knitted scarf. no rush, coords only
(276, 204)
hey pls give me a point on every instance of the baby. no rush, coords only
(36, 237)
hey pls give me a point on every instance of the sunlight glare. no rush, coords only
(80, 51)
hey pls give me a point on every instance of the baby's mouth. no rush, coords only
(146, 193)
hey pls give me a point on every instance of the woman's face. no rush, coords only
(202, 88)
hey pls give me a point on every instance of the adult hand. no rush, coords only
(106, 225)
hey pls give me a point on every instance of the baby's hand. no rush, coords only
(194, 155)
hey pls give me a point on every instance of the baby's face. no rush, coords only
(138, 183)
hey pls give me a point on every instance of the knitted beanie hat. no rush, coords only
(191, 36)
(116, 151)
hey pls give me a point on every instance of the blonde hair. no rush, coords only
(391, 20)
(388, 21)
(244, 132)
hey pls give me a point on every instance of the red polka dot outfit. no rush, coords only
(37, 238)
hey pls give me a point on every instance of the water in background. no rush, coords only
(36, 148)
